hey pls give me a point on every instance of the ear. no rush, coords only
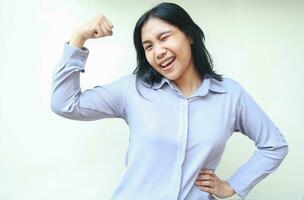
(190, 39)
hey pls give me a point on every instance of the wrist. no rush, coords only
(77, 41)
(229, 188)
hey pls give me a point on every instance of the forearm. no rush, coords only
(259, 166)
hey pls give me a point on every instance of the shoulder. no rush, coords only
(227, 85)
(117, 86)
(122, 81)
(230, 84)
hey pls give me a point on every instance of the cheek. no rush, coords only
(185, 53)
(181, 48)
(150, 59)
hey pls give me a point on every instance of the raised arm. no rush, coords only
(99, 102)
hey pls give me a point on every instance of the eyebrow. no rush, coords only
(162, 33)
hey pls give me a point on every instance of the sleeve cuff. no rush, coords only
(236, 189)
(75, 56)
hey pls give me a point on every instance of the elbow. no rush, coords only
(285, 151)
(275, 152)
(282, 152)
(58, 108)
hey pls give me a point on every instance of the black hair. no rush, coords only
(177, 16)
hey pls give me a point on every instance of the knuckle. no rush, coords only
(103, 18)
(97, 24)
(99, 19)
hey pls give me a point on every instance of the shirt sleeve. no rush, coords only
(271, 146)
(104, 101)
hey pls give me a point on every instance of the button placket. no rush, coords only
(182, 140)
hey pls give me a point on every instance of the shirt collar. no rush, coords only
(208, 83)
(161, 83)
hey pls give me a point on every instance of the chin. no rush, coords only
(171, 77)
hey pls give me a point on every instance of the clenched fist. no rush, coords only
(97, 27)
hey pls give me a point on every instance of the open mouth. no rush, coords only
(168, 63)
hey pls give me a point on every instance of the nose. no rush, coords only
(160, 51)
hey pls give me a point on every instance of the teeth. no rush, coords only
(166, 62)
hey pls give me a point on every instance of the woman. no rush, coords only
(179, 111)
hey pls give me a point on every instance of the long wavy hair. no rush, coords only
(177, 16)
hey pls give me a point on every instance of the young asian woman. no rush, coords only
(179, 110)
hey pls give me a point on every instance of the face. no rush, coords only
(167, 49)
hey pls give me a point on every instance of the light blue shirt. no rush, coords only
(171, 137)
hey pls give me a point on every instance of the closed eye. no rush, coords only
(165, 37)
(147, 47)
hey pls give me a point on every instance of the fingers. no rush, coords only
(207, 171)
(206, 183)
(98, 32)
(109, 23)
(209, 182)
(206, 180)
(95, 28)
(103, 27)
(206, 174)
(204, 177)
(206, 186)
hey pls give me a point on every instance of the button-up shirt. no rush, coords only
(171, 136)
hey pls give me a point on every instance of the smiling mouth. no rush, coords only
(167, 63)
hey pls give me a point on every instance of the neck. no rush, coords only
(189, 81)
